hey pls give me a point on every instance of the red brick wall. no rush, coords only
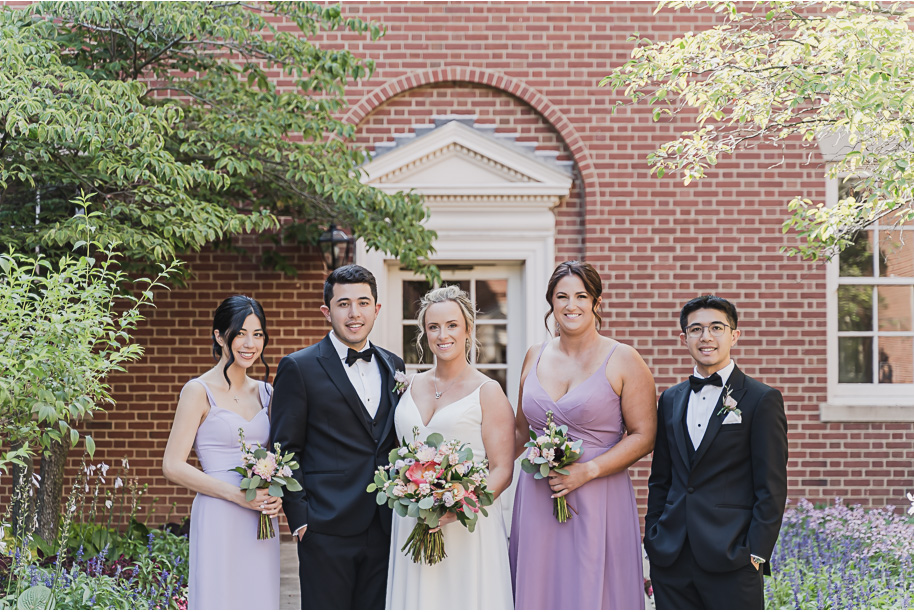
(534, 68)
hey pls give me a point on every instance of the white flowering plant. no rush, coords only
(262, 469)
(425, 481)
(552, 451)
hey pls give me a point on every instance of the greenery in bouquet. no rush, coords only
(552, 450)
(425, 481)
(262, 469)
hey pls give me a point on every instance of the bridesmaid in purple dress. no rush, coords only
(229, 567)
(605, 393)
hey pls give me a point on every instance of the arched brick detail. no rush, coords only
(496, 80)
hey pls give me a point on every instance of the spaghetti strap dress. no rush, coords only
(230, 569)
(593, 561)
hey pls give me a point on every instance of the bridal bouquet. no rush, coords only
(552, 450)
(426, 480)
(262, 469)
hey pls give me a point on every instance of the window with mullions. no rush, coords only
(875, 307)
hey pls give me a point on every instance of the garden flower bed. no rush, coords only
(842, 557)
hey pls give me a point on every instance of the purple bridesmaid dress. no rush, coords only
(593, 561)
(230, 569)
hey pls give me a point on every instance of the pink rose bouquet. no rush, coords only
(552, 450)
(262, 469)
(426, 480)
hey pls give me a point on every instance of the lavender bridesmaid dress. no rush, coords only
(593, 561)
(230, 569)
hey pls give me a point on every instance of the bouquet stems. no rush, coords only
(422, 545)
(560, 509)
(266, 528)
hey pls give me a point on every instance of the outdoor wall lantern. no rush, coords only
(336, 247)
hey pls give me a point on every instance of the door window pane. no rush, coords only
(494, 343)
(492, 298)
(855, 360)
(413, 290)
(855, 308)
(895, 360)
(894, 308)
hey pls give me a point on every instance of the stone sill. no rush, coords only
(863, 413)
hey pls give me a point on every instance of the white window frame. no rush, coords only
(857, 402)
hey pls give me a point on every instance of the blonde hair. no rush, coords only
(448, 293)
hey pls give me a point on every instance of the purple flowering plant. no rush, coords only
(842, 557)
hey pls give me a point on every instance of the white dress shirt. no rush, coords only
(365, 376)
(702, 403)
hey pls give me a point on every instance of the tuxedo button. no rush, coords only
(691, 489)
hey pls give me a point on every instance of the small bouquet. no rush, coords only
(265, 470)
(552, 450)
(426, 480)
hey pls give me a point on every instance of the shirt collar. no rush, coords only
(724, 372)
(341, 349)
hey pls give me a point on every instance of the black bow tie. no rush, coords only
(697, 383)
(352, 356)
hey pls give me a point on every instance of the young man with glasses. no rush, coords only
(718, 481)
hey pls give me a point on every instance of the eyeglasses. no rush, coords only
(716, 329)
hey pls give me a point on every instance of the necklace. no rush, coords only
(438, 394)
(236, 398)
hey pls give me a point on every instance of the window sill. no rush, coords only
(862, 413)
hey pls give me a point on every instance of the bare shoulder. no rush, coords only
(193, 391)
(624, 356)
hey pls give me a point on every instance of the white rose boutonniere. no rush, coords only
(402, 382)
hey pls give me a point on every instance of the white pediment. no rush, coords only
(457, 160)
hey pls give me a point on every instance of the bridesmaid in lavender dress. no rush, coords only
(605, 393)
(229, 567)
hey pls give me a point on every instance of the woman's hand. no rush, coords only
(263, 502)
(579, 475)
(447, 519)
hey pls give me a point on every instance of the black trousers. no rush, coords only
(344, 572)
(685, 586)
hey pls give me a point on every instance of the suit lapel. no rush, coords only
(330, 361)
(680, 403)
(736, 383)
(387, 382)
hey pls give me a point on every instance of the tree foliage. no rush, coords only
(172, 112)
(775, 71)
(65, 326)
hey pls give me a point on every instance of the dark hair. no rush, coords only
(711, 302)
(229, 319)
(349, 275)
(593, 284)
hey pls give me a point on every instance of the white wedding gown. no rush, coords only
(476, 573)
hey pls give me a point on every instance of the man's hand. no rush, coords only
(301, 533)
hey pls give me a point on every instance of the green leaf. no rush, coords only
(90, 446)
(381, 498)
(275, 490)
(544, 470)
(426, 502)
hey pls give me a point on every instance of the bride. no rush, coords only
(459, 402)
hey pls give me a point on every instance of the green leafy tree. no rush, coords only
(171, 112)
(770, 72)
(65, 326)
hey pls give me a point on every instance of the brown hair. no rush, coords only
(593, 284)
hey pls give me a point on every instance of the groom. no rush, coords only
(333, 407)
(718, 480)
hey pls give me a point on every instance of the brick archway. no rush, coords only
(496, 80)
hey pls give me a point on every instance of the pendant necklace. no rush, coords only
(438, 394)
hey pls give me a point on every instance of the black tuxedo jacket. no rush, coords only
(729, 499)
(317, 415)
